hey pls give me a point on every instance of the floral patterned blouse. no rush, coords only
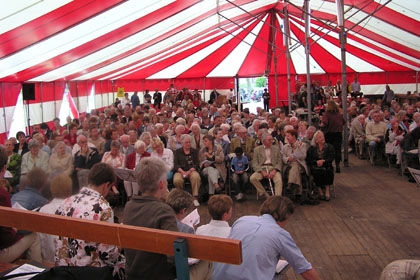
(88, 204)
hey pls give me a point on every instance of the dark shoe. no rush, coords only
(337, 169)
(327, 198)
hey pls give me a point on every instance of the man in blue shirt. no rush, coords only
(30, 197)
(264, 241)
(135, 101)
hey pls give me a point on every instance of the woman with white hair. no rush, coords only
(174, 141)
(60, 161)
(196, 137)
(35, 158)
(146, 137)
(225, 131)
(159, 150)
(132, 161)
(319, 158)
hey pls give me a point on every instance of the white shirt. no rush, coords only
(167, 157)
(215, 228)
(47, 240)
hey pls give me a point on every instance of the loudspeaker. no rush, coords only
(28, 91)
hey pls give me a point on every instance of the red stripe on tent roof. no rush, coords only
(171, 59)
(50, 24)
(180, 28)
(206, 65)
(172, 32)
(373, 59)
(117, 35)
(385, 41)
(104, 41)
(390, 16)
(281, 56)
(158, 63)
(379, 61)
(328, 62)
(255, 63)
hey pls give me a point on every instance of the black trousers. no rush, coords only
(335, 139)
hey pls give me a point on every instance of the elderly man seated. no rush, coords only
(375, 135)
(267, 164)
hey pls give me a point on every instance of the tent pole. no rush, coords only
(41, 86)
(286, 39)
(2, 90)
(307, 51)
(238, 97)
(343, 41)
(417, 82)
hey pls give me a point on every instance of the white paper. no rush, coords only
(192, 261)
(17, 205)
(282, 264)
(7, 174)
(25, 268)
(192, 219)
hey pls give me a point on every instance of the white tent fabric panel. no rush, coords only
(233, 61)
(16, 13)
(298, 56)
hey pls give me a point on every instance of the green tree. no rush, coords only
(261, 82)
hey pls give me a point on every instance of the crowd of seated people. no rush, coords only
(207, 145)
(184, 136)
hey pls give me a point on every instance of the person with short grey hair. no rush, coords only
(131, 162)
(149, 210)
(126, 148)
(174, 141)
(269, 167)
(35, 158)
(187, 166)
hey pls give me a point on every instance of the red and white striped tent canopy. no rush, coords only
(199, 44)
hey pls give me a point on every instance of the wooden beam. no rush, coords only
(152, 240)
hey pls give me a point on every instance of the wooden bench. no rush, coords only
(182, 245)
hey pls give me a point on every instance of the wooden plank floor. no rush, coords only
(374, 219)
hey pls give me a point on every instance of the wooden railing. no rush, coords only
(182, 245)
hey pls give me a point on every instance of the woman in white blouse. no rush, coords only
(60, 161)
(158, 150)
(114, 158)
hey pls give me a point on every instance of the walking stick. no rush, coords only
(269, 182)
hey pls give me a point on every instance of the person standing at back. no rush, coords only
(266, 99)
(135, 101)
(332, 125)
(389, 95)
(356, 89)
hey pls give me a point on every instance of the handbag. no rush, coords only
(318, 169)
